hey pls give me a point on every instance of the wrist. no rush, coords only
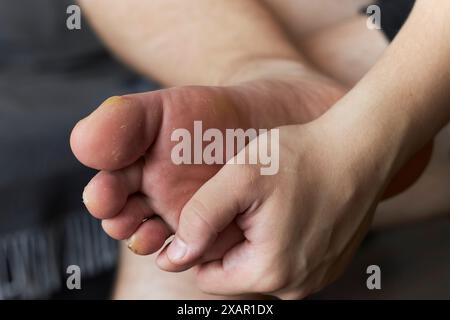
(375, 140)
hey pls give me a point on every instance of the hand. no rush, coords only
(140, 191)
(300, 226)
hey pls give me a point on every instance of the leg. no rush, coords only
(345, 51)
(428, 197)
(302, 18)
(135, 273)
(332, 35)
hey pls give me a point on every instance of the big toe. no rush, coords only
(118, 133)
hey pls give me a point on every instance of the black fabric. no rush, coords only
(393, 15)
(98, 288)
(35, 33)
(50, 77)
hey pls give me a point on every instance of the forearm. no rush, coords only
(417, 71)
(405, 99)
(180, 42)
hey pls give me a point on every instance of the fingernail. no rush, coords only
(130, 243)
(177, 250)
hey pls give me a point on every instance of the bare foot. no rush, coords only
(128, 139)
(139, 192)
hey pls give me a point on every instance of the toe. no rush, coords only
(149, 237)
(125, 224)
(118, 132)
(107, 193)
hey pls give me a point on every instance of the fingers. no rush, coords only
(149, 237)
(226, 240)
(233, 275)
(118, 132)
(107, 193)
(246, 268)
(212, 208)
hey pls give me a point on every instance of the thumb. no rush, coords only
(212, 208)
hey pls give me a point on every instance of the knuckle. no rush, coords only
(247, 176)
(195, 214)
(272, 279)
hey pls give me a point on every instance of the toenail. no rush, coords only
(131, 242)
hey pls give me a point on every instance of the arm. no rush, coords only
(408, 90)
(300, 239)
(405, 99)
